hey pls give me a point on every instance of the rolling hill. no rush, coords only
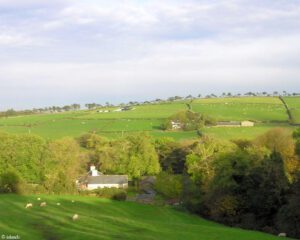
(267, 112)
(106, 219)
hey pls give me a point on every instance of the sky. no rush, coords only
(57, 52)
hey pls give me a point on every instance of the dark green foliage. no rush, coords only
(288, 218)
(169, 185)
(10, 182)
(247, 191)
(296, 136)
(111, 193)
(171, 155)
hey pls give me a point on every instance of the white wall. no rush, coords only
(95, 186)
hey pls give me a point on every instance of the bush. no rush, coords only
(111, 193)
(10, 182)
(169, 185)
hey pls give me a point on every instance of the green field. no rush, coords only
(294, 106)
(148, 118)
(105, 219)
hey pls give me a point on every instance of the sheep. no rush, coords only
(43, 204)
(39, 199)
(29, 205)
(282, 235)
(75, 217)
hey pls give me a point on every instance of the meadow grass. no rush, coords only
(149, 117)
(293, 104)
(106, 219)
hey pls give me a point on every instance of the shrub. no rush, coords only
(10, 182)
(169, 185)
(111, 193)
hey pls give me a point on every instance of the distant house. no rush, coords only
(235, 124)
(228, 124)
(176, 125)
(247, 124)
(94, 180)
(127, 108)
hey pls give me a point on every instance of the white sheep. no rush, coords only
(75, 217)
(29, 205)
(43, 204)
(282, 235)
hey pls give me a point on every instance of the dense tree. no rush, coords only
(26, 154)
(172, 154)
(281, 141)
(169, 185)
(188, 121)
(288, 218)
(134, 155)
(65, 164)
(200, 162)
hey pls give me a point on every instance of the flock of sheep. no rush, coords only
(44, 204)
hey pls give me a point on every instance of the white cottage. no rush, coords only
(95, 179)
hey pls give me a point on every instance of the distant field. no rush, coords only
(149, 118)
(294, 106)
(268, 109)
(105, 219)
(228, 133)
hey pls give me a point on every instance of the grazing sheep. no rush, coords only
(282, 235)
(58, 204)
(29, 205)
(75, 217)
(43, 204)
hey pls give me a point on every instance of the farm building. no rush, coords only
(176, 125)
(247, 124)
(236, 124)
(95, 179)
(228, 124)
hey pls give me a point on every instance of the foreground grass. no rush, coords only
(105, 219)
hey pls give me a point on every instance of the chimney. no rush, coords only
(92, 167)
(94, 171)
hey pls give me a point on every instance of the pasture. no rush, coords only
(149, 117)
(106, 219)
(293, 104)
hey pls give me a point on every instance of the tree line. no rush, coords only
(93, 106)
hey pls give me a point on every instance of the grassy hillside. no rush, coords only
(105, 219)
(149, 117)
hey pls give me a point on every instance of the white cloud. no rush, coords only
(14, 40)
(127, 49)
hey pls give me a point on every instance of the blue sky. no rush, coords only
(56, 52)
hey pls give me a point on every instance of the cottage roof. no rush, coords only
(107, 179)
